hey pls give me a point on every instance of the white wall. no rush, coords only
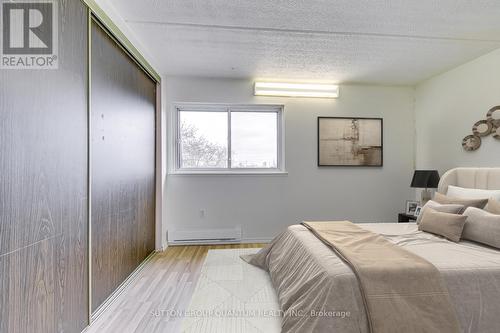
(448, 105)
(265, 204)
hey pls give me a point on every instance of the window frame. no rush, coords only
(175, 156)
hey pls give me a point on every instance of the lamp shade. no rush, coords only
(425, 179)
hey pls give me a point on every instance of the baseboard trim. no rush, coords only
(257, 240)
(119, 290)
(206, 235)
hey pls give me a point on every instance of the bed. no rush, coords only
(311, 278)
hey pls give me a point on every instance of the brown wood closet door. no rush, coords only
(123, 165)
(43, 188)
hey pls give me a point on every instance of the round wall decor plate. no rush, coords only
(482, 128)
(471, 142)
(496, 133)
(494, 116)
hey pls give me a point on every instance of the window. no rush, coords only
(228, 138)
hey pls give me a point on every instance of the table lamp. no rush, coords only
(425, 179)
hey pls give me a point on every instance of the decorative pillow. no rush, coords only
(471, 193)
(444, 199)
(493, 206)
(450, 208)
(482, 227)
(443, 224)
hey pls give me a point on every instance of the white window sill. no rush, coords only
(226, 172)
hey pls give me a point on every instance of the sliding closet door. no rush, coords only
(123, 165)
(43, 188)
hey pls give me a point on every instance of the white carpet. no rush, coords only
(232, 296)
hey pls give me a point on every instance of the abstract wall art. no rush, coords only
(350, 141)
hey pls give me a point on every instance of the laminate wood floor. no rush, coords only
(165, 284)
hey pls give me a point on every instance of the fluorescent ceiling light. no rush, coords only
(296, 89)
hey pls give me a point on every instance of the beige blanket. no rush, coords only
(401, 291)
(319, 293)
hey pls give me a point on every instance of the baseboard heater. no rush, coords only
(205, 235)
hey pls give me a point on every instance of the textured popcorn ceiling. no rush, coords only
(370, 41)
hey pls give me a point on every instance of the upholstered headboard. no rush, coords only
(481, 178)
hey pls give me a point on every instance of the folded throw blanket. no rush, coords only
(401, 291)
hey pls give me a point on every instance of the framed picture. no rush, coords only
(350, 141)
(418, 210)
(411, 206)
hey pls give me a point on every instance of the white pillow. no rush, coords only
(448, 208)
(482, 227)
(472, 193)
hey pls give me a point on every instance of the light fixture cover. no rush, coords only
(318, 90)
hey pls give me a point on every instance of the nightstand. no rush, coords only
(402, 218)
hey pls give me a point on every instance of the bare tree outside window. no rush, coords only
(198, 151)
